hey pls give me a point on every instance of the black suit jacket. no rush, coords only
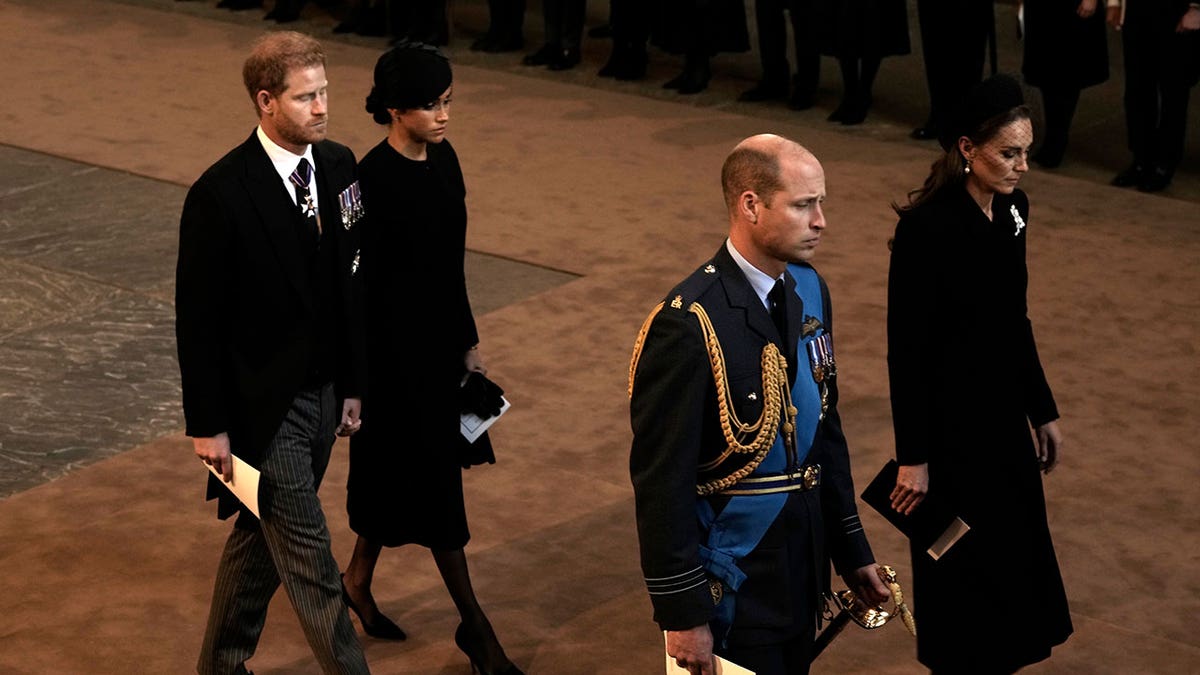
(249, 322)
(675, 419)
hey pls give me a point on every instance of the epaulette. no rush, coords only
(680, 298)
(693, 287)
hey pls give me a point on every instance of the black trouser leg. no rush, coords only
(772, 40)
(808, 55)
(1059, 105)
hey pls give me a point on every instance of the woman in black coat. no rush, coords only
(405, 484)
(1066, 51)
(966, 388)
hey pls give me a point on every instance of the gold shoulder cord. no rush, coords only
(740, 437)
(637, 344)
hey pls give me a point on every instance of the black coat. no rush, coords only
(405, 483)
(966, 384)
(255, 315)
(674, 416)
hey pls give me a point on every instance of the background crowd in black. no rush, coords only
(1065, 51)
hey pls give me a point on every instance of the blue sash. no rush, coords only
(806, 393)
(744, 521)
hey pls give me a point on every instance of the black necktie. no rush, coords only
(778, 301)
(779, 308)
(301, 178)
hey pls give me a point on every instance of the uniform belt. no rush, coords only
(806, 478)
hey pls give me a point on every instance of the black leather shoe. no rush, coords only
(285, 11)
(566, 59)
(802, 99)
(615, 60)
(856, 108)
(504, 43)
(1155, 181)
(839, 113)
(694, 84)
(482, 42)
(282, 15)
(239, 4)
(632, 66)
(543, 56)
(764, 91)
(1131, 176)
(693, 80)
(382, 628)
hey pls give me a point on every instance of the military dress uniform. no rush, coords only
(739, 466)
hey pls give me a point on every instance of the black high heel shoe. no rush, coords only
(382, 628)
(475, 652)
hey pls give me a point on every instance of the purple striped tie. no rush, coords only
(301, 178)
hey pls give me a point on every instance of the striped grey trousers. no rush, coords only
(291, 544)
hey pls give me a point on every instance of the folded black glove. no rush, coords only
(480, 396)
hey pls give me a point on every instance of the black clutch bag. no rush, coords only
(483, 398)
(934, 525)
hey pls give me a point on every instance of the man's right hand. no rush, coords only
(692, 649)
(214, 451)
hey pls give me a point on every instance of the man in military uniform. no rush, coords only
(739, 466)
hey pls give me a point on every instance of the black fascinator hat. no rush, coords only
(990, 98)
(407, 76)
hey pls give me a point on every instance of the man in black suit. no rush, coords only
(269, 336)
(740, 469)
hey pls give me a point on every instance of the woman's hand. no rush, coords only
(1049, 444)
(473, 362)
(912, 482)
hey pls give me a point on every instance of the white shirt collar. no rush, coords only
(760, 281)
(285, 161)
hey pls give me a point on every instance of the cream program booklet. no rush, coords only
(723, 667)
(244, 484)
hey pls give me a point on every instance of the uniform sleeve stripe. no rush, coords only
(701, 583)
(688, 573)
(677, 583)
